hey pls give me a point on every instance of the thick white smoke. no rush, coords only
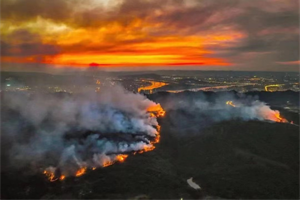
(224, 107)
(74, 131)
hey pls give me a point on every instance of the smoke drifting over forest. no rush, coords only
(64, 134)
(225, 106)
(76, 131)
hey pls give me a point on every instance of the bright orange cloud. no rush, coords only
(152, 32)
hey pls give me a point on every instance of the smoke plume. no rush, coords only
(196, 110)
(70, 133)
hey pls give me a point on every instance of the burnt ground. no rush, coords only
(230, 159)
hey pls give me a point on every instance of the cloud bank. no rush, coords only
(234, 34)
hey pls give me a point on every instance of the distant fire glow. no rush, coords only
(268, 114)
(154, 85)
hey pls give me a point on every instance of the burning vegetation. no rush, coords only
(154, 110)
(81, 171)
(94, 131)
(275, 116)
(266, 112)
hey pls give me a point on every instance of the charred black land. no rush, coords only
(234, 159)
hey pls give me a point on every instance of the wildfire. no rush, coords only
(158, 128)
(156, 110)
(149, 148)
(278, 118)
(50, 176)
(230, 103)
(107, 163)
(81, 171)
(156, 140)
(272, 115)
(121, 157)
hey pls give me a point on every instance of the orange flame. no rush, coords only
(230, 103)
(50, 176)
(156, 110)
(81, 171)
(121, 157)
(107, 163)
(152, 115)
(158, 128)
(149, 148)
(278, 118)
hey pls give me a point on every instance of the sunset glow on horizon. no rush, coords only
(149, 33)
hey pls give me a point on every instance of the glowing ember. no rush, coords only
(50, 175)
(62, 177)
(80, 171)
(158, 128)
(93, 168)
(108, 163)
(149, 148)
(156, 140)
(121, 157)
(230, 103)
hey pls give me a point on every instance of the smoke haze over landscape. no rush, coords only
(149, 99)
(51, 118)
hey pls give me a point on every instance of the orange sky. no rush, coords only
(124, 33)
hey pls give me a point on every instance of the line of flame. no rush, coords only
(155, 111)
